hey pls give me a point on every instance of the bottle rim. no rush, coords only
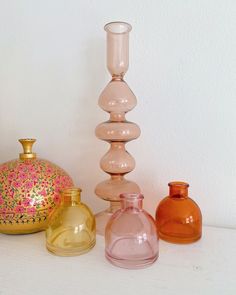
(118, 27)
(131, 196)
(71, 190)
(178, 184)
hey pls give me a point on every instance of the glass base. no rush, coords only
(103, 217)
(179, 240)
(131, 264)
(71, 251)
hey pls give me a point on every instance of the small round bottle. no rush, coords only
(71, 229)
(178, 217)
(131, 237)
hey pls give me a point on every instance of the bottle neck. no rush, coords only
(133, 200)
(71, 196)
(178, 189)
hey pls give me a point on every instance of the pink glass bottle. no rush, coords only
(131, 236)
(117, 99)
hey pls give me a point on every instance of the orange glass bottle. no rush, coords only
(178, 218)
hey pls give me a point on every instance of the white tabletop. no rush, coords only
(206, 267)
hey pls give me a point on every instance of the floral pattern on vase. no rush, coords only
(29, 190)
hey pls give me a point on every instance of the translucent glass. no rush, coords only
(117, 99)
(131, 237)
(71, 229)
(178, 218)
(117, 47)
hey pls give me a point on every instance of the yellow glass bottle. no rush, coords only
(72, 228)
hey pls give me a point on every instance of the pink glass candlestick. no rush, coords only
(131, 235)
(117, 99)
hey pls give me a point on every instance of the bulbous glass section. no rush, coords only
(117, 99)
(131, 236)
(71, 229)
(178, 217)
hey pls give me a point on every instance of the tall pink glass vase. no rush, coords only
(131, 235)
(117, 99)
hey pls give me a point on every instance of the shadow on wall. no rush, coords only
(94, 80)
(86, 168)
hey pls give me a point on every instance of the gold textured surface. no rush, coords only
(29, 190)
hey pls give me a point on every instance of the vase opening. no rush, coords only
(118, 27)
(131, 200)
(71, 195)
(178, 189)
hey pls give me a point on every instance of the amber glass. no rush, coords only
(178, 217)
(71, 229)
(131, 235)
(117, 99)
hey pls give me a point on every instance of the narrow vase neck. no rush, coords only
(117, 48)
(71, 196)
(178, 189)
(27, 145)
(132, 200)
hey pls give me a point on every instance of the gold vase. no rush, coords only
(29, 190)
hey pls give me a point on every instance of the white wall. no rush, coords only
(182, 69)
